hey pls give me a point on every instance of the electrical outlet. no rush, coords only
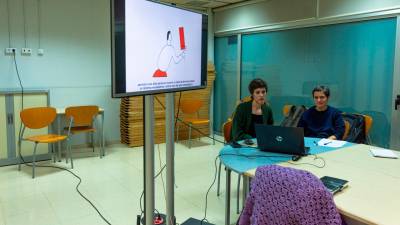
(26, 51)
(40, 51)
(10, 51)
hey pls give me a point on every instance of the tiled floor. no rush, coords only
(114, 184)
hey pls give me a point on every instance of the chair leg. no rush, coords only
(213, 138)
(66, 153)
(34, 161)
(92, 134)
(70, 155)
(19, 156)
(238, 192)
(219, 178)
(101, 150)
(190, 135)
(177, 132)
(53, 151)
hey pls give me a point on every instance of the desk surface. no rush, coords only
(243, 159)
(373, 194)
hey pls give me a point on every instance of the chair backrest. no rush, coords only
(294, 113)
(82, 115)
(357, 131)
(368, 123)
(379, 135)
(227, 129)
(346, 129)
(246, 99)
(38, 117)
(286, 109)
(190, 106)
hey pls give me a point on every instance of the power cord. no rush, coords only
(270, 157)
(76, 188)
(141, 196)
(44, 166)
(186, 124)
(215, 163)
(311, 164)
(161, 175)
(208, 191)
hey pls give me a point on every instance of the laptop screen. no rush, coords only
(287, 140)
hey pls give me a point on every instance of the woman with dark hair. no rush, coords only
(322, 120)
(252, 112)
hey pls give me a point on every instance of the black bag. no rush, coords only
(357, 128)
(295, 113)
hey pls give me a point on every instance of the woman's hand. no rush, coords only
(333, 137)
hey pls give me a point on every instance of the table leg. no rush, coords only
(102, 135)
(228, 197)
(246, 181)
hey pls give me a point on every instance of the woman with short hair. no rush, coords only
(252, 112)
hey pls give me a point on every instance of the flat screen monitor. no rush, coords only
(157, 48)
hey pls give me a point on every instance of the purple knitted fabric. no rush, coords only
(286, 196)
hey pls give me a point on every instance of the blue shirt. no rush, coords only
(322, 124)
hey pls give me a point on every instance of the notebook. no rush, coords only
(383, 153)
(333, 184)
(287, 140)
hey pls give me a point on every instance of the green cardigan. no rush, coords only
(242, 120)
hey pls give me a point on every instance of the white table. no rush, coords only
(373, 194)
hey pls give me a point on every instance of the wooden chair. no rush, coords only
(37, 118)
(190, 110)
(81, 120)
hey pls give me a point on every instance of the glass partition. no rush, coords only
(355, 60)
(225, 90)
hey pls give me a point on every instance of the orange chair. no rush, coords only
(346, 129)
(286, 110)
(368, 124)
(37, 118)
(81, 120)
(190, 109)
(226, 129)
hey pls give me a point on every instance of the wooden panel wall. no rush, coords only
(131, 114)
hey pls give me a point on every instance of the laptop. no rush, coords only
(287, 140)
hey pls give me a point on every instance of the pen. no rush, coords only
(327, 143)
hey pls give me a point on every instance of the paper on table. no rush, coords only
(382, 152)
(331, 143)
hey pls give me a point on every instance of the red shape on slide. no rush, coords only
(182, 37)
(160, 73)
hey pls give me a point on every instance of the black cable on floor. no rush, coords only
(208, 191)
(55, 167)
(76, 188)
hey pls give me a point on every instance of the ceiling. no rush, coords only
(203, 4)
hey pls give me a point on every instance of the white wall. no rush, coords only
(76, 65)
(272, 13)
